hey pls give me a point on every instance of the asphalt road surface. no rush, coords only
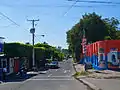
(105, 84)
(54, 79)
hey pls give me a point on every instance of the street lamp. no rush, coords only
(43, 35)
(40, 35)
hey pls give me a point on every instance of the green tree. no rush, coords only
(95, 28)
(107, 38)
(42, 52)
(112, 27)
(118, 34)
(74, 41)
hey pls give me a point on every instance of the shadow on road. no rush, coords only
(54, 67)
(17, 78)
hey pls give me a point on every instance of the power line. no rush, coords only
(9, 19)
(70, 8)
(51, 6)
(37, 37)
(107, 4)
(90, 6)
(102, 2)
(75, 1)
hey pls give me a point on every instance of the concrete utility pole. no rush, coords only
(32, 30)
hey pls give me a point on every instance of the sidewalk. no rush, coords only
(104, 74)
(99, 80)
(99, 74)
(104, 84)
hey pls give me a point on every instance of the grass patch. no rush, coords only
(72, 61)
(82, 73)
(77, 74)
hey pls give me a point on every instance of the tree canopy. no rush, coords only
(95, 28)
(42, 51)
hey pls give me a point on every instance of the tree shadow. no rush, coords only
(17, 78)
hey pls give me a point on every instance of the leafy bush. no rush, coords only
(82, 73)
(77, 74)
(42, 51)
(49, 60)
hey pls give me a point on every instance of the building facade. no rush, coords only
(104, 54)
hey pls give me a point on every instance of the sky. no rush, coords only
(54, 21)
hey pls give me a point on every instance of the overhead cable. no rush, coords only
(70, 8)
(102, 2)
(9, 19)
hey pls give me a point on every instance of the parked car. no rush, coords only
(53, 64)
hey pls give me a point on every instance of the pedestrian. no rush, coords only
(4, 73)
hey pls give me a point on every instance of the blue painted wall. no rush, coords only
(94, 60)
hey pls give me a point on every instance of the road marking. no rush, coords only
(47, 79)
(61, 76)
(65, 71)
(9, 83)
(49, 75)
(68, 70)
(56, 69)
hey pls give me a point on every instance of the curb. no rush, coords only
(110, 77)
(88, 84)
(74, 67)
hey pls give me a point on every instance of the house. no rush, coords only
(13, 64)
(104, 54)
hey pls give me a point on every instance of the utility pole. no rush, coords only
(32, 31)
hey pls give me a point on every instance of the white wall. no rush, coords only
(11, 65)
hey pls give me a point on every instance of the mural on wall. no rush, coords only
(113, 60)
(101, 58)
(119, 59)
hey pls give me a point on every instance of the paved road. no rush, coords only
(105, 84)
(54, 79)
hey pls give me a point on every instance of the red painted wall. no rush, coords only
(16, 66)
(107, 45)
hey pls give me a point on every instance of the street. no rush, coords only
(105, 84)
(54, 79)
